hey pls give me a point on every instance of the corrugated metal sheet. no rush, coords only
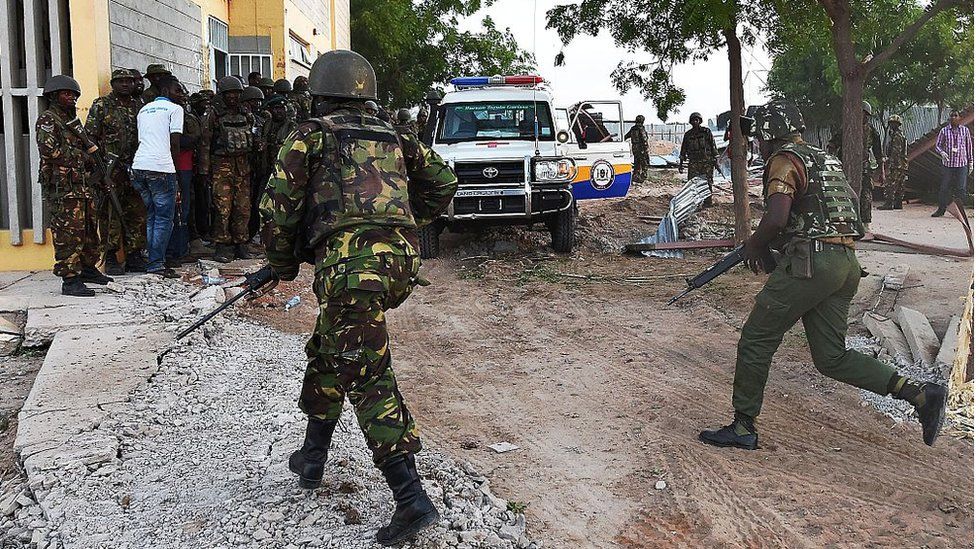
(688, 200)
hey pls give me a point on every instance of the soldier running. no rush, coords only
(68, 185)
(699, 150)
(809, 201)
(896, 154)
(348, 196)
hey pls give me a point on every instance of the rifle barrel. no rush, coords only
(203, 320)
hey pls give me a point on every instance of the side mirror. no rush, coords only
(562, 136)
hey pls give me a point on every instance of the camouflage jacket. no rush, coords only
(698, 145)
(150, 94)
(303, 103)
(274, 136)
(343, 175)
(637, 136)
(112, 124)
(897, 150)
(219, 126)
(872, 148)
(65, 167)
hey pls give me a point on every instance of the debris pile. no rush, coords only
(22, 522)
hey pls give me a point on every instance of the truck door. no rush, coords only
(597, 145)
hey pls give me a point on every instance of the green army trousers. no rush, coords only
(822, 302)
(349, 352)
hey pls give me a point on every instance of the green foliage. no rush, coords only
(416, 45)
(935, 68)
(517, 507)
(663, 33)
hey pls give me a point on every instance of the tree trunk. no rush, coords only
(740, 182)
(852, 76)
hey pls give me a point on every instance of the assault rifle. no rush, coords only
(105, 165)
(254, 286)
(731, 260)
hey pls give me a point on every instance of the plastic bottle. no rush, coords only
(213, 280)
(293, 302)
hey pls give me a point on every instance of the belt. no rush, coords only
(820, 246)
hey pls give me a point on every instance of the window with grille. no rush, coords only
(244, 64)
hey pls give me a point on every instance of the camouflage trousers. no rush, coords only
(133, 214)
(704, 169)
(895, 185)
(349, 352)
(866, 198)
(641, 165)
(75, 234)
(231, 181)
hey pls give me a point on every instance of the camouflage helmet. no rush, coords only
(266, 82)
(120, 74)
(61, 82)
(277, 101)
(894, 118)
(252, 93)
(229, 83)
(777, 119)
(282, 86)
(403, 116)
(301, 83)
(342, 74)
(206, 94)
(136, 74)
(157, 68)
(866, 107)
(372, 107)
(695, 115)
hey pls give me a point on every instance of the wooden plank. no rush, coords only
(681, 245)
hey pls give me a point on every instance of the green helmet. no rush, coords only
(867, 108)
(266, 82)
(695, 115)
(403, 116)
(61, 82)
(281, 86)
(229, 83)
(276, 101)
(372, 107)
(119, 74)
(301, 83)
(777, 119)
(251, 93)
(157, 68)
(342, 74)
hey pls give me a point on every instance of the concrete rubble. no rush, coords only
(185, 445)
(919, 333)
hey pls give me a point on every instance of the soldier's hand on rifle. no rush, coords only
(754, 254)
(261, 277)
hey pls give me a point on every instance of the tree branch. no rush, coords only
(907, 34)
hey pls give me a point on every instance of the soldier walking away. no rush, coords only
(68, 184)
(810, 203)
(228, 141)
(699, 150)
(302, 99)
(872, 162)
(348, 196)
(638, 146)
(154, 72)
(896, 161)
(112, 125)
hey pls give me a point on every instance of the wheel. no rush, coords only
(562, 227)
(430, 244)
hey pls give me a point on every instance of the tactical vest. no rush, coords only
(234, 134)
(699, 145)
(361, 181)
(828, 208)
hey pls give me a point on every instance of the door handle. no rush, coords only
(619, 155)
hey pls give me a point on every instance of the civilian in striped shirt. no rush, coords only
(955, 146)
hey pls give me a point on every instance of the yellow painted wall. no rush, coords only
(28, 256)
(262, 18)
(90, 53)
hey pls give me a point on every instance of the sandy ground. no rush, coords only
(604, 390)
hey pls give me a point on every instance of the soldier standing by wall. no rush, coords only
(226, 144)
(68, 184)
(809, 201)
(638, 146)
(872, 161)
(138, 86)
(112, 125)
(896, 154)
(699, 150)
(154, 72)
(253, 99)
(349, 197)
(200, 197)
(302, 99)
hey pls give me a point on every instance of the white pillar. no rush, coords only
(10, 140)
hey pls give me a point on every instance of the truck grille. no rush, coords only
(473, 173)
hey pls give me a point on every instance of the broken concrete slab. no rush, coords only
(891, 338)
(44, 323)
(947, 351)
(9, 343)
(919, 333)
(37, 291)
(9, 324)
(892, 283)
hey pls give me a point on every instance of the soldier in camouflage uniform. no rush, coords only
(810, 204)
(138, 85)
(153, 73)
(267, 87)
(872, 161)
(638, 145)
(348, 196)
(68, 185)
(253, 100)
(699, 150)
(301, 98)
(282, 89)
(275, 132)
(896, 154)
(112, 125)
(225, 148)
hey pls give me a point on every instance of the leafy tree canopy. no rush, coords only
(416, 45)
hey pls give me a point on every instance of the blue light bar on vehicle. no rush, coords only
(481, 81)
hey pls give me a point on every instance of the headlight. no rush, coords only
(557, 170)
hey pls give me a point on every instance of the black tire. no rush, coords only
(562, 227)
(430, 244)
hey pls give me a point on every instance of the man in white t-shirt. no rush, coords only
(154, 169)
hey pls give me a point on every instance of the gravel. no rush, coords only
(202, 458)
(898, 410)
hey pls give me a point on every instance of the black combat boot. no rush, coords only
(134, 263)
(898, 204)
(308, 462)
(929, 400)
(888, 205)
(74, 287)
(240, 252)
(224, 253)
(112, 265)
(93, 275)
(741, 433)
(414, 510)
(939, 212)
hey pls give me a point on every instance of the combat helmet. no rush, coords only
(157, 68)
(695, 115)
(403, 116)
(372, 107)
(867, 108)
(281, 86)
(894, 118)
(229, 83)
(777, 119)
(266, 82)
(251, 93)
(342, 74)
(119, 74)
(301, 84)
(61, 82)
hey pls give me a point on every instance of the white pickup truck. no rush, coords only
(522, 160)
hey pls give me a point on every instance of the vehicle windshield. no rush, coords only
(494, 120)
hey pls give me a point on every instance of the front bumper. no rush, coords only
(513, 199)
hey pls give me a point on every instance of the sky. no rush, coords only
(590, 60)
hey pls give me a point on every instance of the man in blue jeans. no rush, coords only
(160, 125)
(955, 146)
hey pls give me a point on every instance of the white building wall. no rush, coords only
(158, 31)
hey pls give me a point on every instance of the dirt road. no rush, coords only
(604, 389)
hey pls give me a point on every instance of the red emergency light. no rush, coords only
(481, 81)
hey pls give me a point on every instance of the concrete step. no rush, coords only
(919, 333)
